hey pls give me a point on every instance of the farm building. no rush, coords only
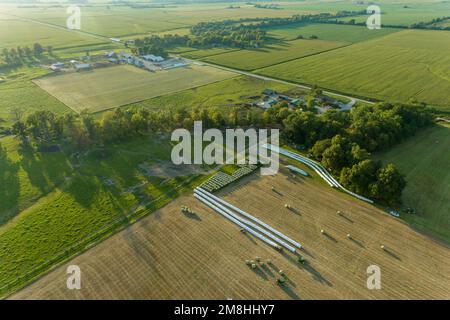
(269, 92)
(57, 66)
(295, 102)
(82, 66)
(153, 58)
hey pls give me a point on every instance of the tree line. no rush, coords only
(341, 141)
(239, 33)
(20, 55)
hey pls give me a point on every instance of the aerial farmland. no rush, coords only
(119, 179)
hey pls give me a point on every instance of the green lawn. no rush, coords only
(424, 159)
(272, 54)
(82, 208)
(397, 67)
(115, 86)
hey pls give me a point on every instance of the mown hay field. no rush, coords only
(171, 255)
(110, 87)
(424, 159)
(411, 64)
(272, 54)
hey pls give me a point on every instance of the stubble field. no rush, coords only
(177, 256)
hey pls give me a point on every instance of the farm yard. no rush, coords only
(424, 159)
(116, 86)
(415, 65)
(208, 253)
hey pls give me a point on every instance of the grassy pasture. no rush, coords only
(272, 54)
(224, 93)
(110, 87)
(17, 91)
(398, 67)
(170, 255)
(82, 208)
(424, 159)
(331, 32)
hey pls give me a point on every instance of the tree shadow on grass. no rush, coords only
(84, 189)
(9, 188)
(44, 170)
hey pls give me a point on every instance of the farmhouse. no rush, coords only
(153, 58)
(57, 66)
(268, 92)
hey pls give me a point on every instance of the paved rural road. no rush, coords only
(353, 100)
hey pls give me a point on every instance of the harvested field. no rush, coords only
(110, 87)
(171, 255)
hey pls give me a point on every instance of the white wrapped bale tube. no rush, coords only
(318, 168)
(253, 232)
(249, 216)
(248, 223)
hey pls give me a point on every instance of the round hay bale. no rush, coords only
(349, 236)
(281, 272)
(268, 261)
(382, 247)
(253, 266)
(322, 231)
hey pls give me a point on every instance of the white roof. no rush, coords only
(82, 65)
(153, 57)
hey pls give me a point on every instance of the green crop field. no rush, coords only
(203, 53)
(332, 32)
(405, 14)
(424, 159)
(27, 33)
(398, 67)
(79, 206)
(272, 54)
(110, 87)
(118, 21)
